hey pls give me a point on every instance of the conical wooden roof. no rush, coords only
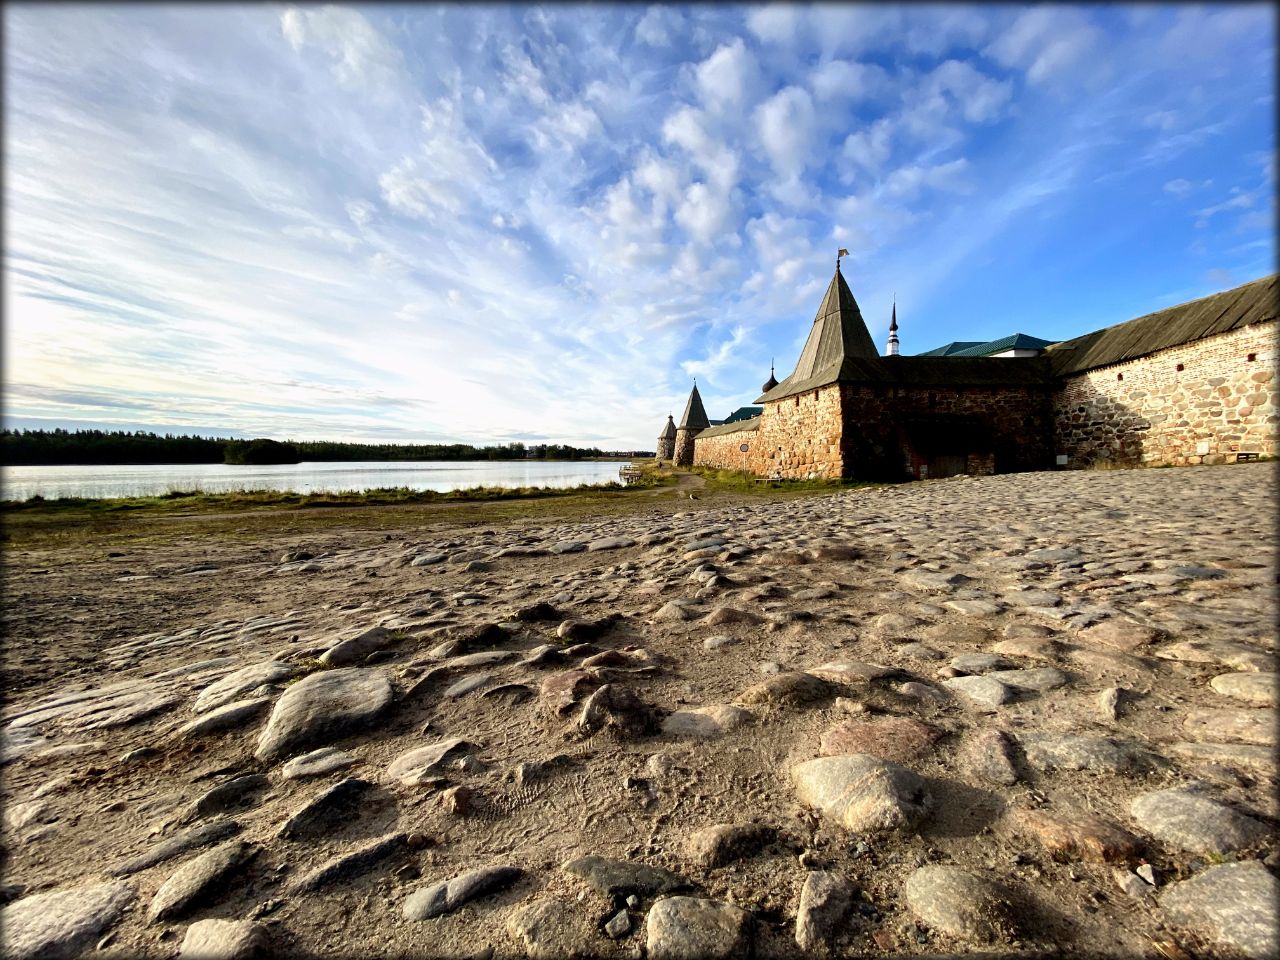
(839, 347)
(669, 431)
(695, 416)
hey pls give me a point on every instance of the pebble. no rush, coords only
(1245, 726)
(982, 692)
(445, 896)
(223, 718)
(790, 688)
(1049, 752)
(225, 796)
(234, 685)
(416, 766)
(353, 650)
(900, 739)
(1259, 689)
(551, 929)
(989, 755)
(1080, 836)
(689, 928)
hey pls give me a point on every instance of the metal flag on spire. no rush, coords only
(842, 252)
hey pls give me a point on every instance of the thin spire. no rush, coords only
(893, 328)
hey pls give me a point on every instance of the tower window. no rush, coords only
(933, 399)
(1181, 367)
(1253, 357)
(1119, 376)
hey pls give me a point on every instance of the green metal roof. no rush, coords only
(743, 413)
(951, 349)
(1015, 341)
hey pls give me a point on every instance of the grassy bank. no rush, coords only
(83, 526)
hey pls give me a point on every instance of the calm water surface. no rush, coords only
(145, 480)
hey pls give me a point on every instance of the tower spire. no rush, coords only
(893, 329)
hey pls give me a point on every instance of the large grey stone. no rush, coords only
(1189, 820)
(960, 903)
(1039, 679)
(552, 929)
(725, 842)
(1064, 751)
(1259, 689)
(1254, 725)
(689, 928)
(862, 793)
(353, 650)
(234, 685)
(1234, 904)
(325, 811)
(62, 923)
(224, 940)
(982, 691)
(609, 877)
(826, 903)
(193, 839)
(324, 706)
(197, 880)
(446, 896)
(316, 763)
(225, 717)
(415, 766)
(351, 864)
(706, 722)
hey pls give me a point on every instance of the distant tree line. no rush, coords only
(47, 447)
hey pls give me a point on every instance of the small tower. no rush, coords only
(771, 382)
(893, 329)
(667, 440)
(692, 423)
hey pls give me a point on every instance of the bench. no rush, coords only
(768, 479)
(1246, 457)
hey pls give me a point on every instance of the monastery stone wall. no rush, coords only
(1148, 411)
(720, 450)
(1019, 419)
(800, 437)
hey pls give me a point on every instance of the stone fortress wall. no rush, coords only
(1199, 402)
(795, 438)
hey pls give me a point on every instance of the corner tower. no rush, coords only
(667, 440)
(692, 423)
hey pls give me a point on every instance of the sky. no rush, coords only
(518, 223)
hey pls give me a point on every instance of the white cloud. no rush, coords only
(1045, 41)
(906, 182)
(361, 57)
(776, 23)
(870, 148)
(979, 97)
(1179, 187)
(844, 80)
(725, 79)
(785, 125)
(655, 28)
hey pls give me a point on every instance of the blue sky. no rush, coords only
(495, 223)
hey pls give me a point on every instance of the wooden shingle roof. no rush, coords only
(1255, 302)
